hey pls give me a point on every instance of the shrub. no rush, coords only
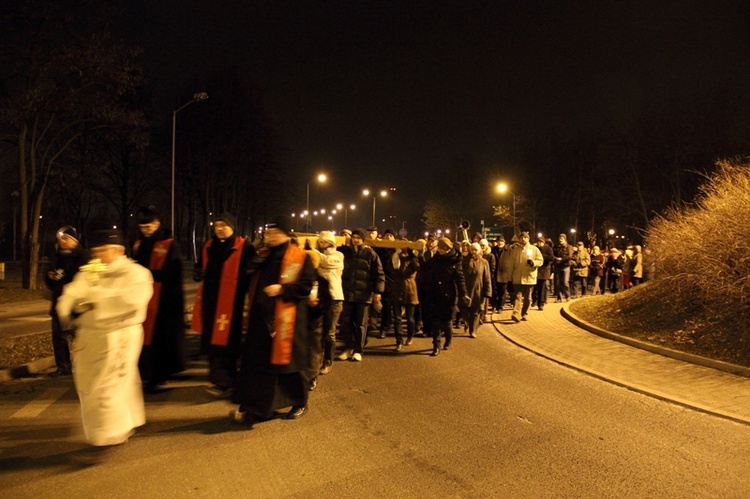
(701, 256)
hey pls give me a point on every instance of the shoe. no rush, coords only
(408, 341)
(94, 454)
(240, 417)
(219, 392)
(345, 354)
(541, 307)
(381, 335)
(327, 366)
(313, 384)
(60, 372)
(357, 357)
(447, 346)
(466, 329)
(435, 352)
(515, 319)
(296, 412)
(398, 347)
(524, 318)
(472, 334)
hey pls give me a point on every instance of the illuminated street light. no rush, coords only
(502, 188)
(366, 192)
(196, 98)
(321, 178)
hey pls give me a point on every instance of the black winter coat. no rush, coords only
(363, 274)
(442, 283)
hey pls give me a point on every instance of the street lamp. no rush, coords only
(503, 188)
(346, 209)
(575, 236)
(321, 178)
(196, 98)
(383, 194)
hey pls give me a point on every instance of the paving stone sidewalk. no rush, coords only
(550, 335)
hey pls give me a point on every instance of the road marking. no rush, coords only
(38, 405)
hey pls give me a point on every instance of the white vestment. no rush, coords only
(109, 337)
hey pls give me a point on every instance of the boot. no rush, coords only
(409, 332)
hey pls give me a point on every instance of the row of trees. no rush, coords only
(610, 177)
(80, 144)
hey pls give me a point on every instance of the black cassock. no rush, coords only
(166, 354)
(261, 387)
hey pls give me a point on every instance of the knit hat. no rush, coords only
(228, 219)
(345, 231)
(327, 235)
(484, 242)
(67, 231)
(147, 214)
(359, 232)
(476, 247)
(444, 243)
(283, 223)
(389, 231)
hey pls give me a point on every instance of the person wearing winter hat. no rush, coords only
(476, 272)
(69, 257)
(330, 269)
(487, 254)
(109, 298)
(362, 283)
(443, 286)
(164, 327)
(219, 302)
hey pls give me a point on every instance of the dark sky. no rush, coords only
(381, 93)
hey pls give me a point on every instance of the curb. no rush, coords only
(650, 347)
(27, 370)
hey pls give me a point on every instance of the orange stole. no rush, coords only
(286, 312)
(227, 291)
(158, 258)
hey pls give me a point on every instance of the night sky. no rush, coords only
(387, 93)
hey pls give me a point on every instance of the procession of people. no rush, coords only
(271, 313)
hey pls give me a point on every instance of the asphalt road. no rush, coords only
(485, 419)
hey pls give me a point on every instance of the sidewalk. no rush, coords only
(708, 389)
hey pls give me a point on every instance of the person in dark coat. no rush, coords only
(276, 354)
(543, 275)
(443, 284)
(476, 270)
(69, 258)
(163, 351)
(363, 282)
(217, 313)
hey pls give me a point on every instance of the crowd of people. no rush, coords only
(270, 316)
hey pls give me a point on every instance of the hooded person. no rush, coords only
(107, 301)
(164, 329)
(275, 355)
(219, 301)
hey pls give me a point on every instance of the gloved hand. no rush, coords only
(530, 262)
(465, 301)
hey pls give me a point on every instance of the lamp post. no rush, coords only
(383, 194)
(503, 188)
(196, 98)
(346, 209)
(320, 178)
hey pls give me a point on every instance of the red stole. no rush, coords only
(227, 291)
(286, 311)
(158, 258)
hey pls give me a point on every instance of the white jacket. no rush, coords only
(331, 267)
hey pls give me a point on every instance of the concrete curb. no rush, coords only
(650, 347)
(27, 370)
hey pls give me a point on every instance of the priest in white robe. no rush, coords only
(107, 301)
